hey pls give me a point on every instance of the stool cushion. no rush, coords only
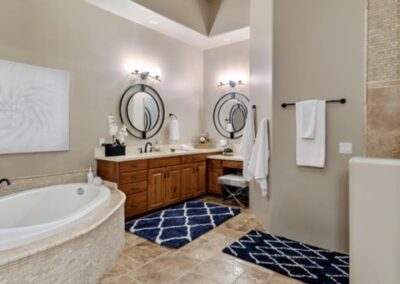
(233, 180)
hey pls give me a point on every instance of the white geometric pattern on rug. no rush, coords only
(294, 259)
(179, 225)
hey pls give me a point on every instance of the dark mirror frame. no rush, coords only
(216, 114)
(128, 94)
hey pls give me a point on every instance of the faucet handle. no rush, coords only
(140, 150)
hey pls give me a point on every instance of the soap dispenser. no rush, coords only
(90, 175)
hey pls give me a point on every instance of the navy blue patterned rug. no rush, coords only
(294, 259)
(176, 226)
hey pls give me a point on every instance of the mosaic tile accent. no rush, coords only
(383, 108)
(26, 183)
(383, 40)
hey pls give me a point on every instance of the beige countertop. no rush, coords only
(155, 155)
(227, 158)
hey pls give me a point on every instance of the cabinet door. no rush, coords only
(135, 204)
(186, 181)
(213, 186)
(156, 188)
(200, 189)
(173, 185)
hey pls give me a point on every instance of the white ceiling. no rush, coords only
(229, 23)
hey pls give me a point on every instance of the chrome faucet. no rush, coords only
(5, 180)
(148, 144)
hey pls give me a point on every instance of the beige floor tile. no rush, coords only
(195, 278)
(218, 238)
(221, 269)
(201, 261)
(145, 251)
(131, 239)
(118, 280)
(164, 269)
(281, 279)
(254, 276)
(201, 253)
(124, 265)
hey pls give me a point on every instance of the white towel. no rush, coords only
(311, 152)
(174, 130)
(258, 164)
(246, 145)
(306, 111)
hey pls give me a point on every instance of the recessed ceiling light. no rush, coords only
(226, 39)
(152, 22)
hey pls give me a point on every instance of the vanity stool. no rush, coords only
(234, 186)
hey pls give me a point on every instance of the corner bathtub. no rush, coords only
(36, 214)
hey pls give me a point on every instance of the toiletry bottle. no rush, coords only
(90, 175)
(156, 147)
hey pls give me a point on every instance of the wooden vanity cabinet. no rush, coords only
(156, 183)
(131, 178)
(173, 185)
(214, 170)
(193, 180)
(164, 187)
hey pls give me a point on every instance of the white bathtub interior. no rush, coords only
(35, 214)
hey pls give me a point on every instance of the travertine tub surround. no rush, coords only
(81, 254)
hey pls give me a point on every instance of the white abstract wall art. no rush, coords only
(34, 108)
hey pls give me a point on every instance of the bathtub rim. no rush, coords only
(94, 219)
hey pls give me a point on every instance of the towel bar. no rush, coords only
(342, 101)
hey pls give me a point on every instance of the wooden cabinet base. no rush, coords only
(135, 204)
(153, 184)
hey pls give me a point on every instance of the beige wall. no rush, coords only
(318, 53)
(230, 61)
(261, 17)
(383, 101)
(95, 46)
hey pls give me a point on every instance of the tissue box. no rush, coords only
(114, 150)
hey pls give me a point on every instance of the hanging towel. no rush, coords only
(311, 151)
(306, 111)
(246, 145)
(258, 164)
(174, 130)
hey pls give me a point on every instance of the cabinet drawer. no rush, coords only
(232, 164)
(193, 158)
(130, 166)
(133, 177)
(135, 204)
(132, 188)
(214, 163)
(164, 162)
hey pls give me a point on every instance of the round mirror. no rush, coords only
(230, 115)
(142, 111)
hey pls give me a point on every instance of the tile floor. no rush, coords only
(201, 261)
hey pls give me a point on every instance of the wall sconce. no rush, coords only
(145, 74)
(231, 83)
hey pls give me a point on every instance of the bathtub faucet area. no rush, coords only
(6, 181)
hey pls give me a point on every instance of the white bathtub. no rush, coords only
(36, 214)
